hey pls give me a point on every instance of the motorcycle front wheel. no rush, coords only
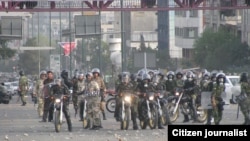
(173, 116)
(57, 121)
(153, 121)
(202, 114)
(125, 121)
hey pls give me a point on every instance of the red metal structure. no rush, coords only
(115, 5)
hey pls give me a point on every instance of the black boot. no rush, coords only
(186, 119)
(160, 124)
(69, 125)
(104, 116)
(135, 126)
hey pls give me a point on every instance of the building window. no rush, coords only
(193, 13)
(187, 53)
(190, 32)
(180, 13)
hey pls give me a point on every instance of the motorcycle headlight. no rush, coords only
(127, 98)
(177, 93)
(57, 100)
(151, 98)
(161, 95)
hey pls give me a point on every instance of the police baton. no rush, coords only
(238, 110)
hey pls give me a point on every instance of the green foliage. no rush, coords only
(5, 51)
(220, 50)
(29, 59)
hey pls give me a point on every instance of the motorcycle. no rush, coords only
(110, 104)
(186, 108)
(125, 110)
(162, 108)
(148, 111)
(58, 110)
(174, 104)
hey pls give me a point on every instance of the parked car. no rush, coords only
(232, 88)
(5, 97)
(10, 88)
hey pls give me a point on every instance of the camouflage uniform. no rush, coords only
(102, 87)
(79, 87)
(23, 88)
(74, 95)
(93, 103)
(39, 94)
(62, 90)
(245, 104)
(217, 101)
(127, 87)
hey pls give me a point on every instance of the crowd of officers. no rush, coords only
(138, 84)
(82, 83)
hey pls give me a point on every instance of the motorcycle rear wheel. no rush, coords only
(110, 105)
(57, 121)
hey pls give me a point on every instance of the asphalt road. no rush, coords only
(21, 123)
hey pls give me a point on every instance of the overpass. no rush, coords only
(117, 5)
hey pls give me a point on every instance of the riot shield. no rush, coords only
(206, 100)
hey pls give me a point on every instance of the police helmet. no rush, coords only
(190, 74)
(206, 75)
(89, 74)
(64, 74)
(244, 77)
(133, 77)
(179, 73)
(146, 76)
(220, 78)
(95, 70)
(76, 72)
(80, 75)
(43, 73)
(21, 73)
(125, 77)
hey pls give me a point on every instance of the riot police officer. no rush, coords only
(127, 86)
(170, 83)
(216, 98)
(92, 91)
(37, 92)
(179, 79)
(66, 80)
(191, 88)
(96, 77)
(61, 89)
(244, 98)
(78, 88)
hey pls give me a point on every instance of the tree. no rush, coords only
(29, 59)
(5, 51)
(220, 50)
